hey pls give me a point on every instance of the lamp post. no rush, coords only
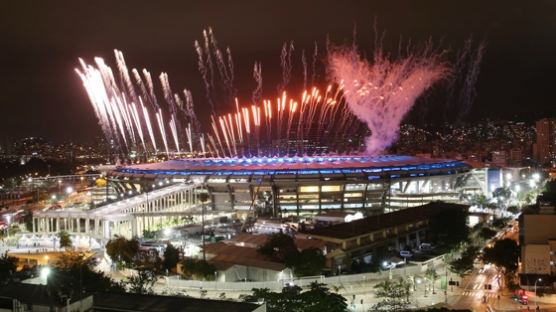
(537, 280)
(44, 274)
(203, 197)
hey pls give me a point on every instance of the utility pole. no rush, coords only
(203, 197)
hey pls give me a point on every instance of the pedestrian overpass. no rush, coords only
(128, 217)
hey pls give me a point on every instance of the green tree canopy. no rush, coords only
(464, 264)
(291, 299)
(449, 227)
(142, 282)
(281, 248)
(504, 253)
(65, 239)
(8, 265)
(197, 269)
(74, 272)
(28, 220)
(122, 250)
(171, 257)
(394, 295)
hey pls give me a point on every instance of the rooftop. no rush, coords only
(383, 221)
(227, 255)
(116, 210)
(37, 294)
(257, 240)
(153, 303)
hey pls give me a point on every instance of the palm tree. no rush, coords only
(431, 274)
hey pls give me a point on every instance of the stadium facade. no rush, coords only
(300, 185)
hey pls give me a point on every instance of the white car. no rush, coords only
(406, 254)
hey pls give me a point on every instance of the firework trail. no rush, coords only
(304, 63)
(258, 76)
(225, 69)
(312, 108)
(286, 64)
(204, 75)
(314, 64)
(380, 94)
(160, 120)
(175, 125)
(462, 88)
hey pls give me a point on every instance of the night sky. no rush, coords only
(40, 94)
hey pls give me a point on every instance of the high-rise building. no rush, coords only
(545, 147)
(537, 239)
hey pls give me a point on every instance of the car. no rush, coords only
(406, 254)
(426, 246)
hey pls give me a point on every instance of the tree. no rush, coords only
(308, 262)
(74, 271)
(122, 250)
(486, 233)
(65, 239)
(142, 282)
(449, 226)
(504, 253)
(8, 266)
(394, 295)
(279, 247)
(431, 274)
(28, 220)
(317, 299)
(197, 269)
(478, 200)
(464, 264)
(171, 257)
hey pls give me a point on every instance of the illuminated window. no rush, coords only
(353, 195)
(217, 180)
(308, 189)
(331, 188)
(355, 187)
(309, 196)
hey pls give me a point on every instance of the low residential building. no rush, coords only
(258, 240)
(235, 263)
(336, 217)
(30, 297)
(360, 239)
(238, 258)
(537, 237)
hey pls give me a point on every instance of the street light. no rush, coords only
(44, 274)
(203, 197)
(537, 280)
(8, 219)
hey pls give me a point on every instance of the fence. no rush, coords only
(173, 282)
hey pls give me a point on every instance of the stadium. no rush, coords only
(304, 185)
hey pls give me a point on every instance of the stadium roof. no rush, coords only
(292, 165)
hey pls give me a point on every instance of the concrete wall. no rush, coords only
(240, 273)
(536, 258)
(539, 228)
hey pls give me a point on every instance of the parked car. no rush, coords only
(406, 254)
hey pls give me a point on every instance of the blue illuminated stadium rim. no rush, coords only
(250, 163)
